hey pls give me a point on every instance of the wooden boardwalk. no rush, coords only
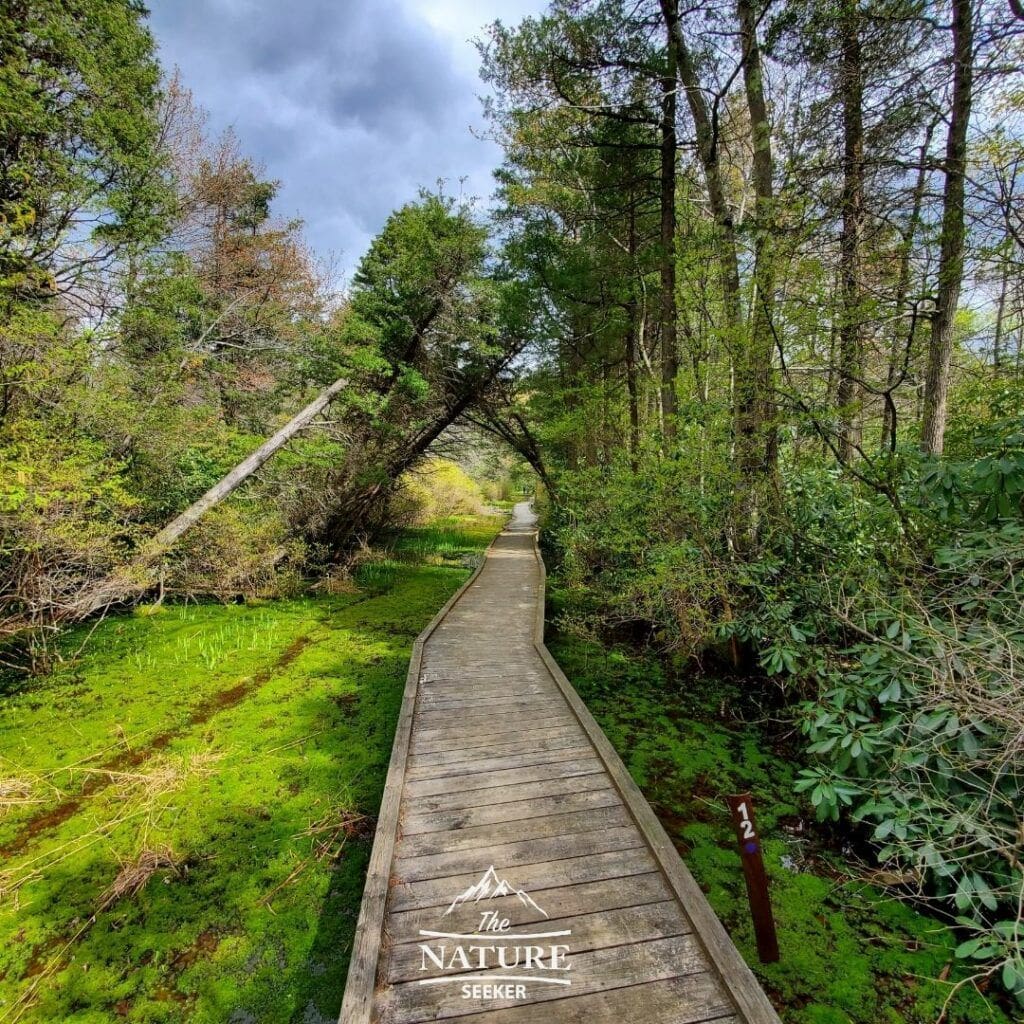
(518, 876)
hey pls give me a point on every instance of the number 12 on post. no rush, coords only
(742, 809)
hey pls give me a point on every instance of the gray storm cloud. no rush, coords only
(352, 105)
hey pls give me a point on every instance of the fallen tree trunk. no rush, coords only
(138, 575)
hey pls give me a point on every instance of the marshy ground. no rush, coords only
(187, 812)
(188, 804)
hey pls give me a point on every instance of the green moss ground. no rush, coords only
(849, 956)
(248, 742)
(251, 743)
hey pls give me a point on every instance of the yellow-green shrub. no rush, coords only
(434, 490)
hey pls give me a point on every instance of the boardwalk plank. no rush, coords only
(456, 678)
(524, 686)
(510, 777)
(497, 795)
(514, 810)
(481, 763)
(478, 745)
(612, 968)
(500, 778)
(491, 835)
(692, 999)
(602, 895)
(596, 930)
(498, 700)
(490, 715)
(529, 851)
(433, 892)
(443, 757)
(491, 730)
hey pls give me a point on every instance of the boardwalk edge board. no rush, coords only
(357, 1004)
(736, 976)
(371, 940)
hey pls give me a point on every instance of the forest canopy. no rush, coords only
(748, 302)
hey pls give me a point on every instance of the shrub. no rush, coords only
(238, 551)
(893, 632)
(435, 490)
(67, 517)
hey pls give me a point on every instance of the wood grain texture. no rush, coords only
(498, 765)
(560, 902)
(514, 810)
(599, 929)
(438, 892)
(616, 967)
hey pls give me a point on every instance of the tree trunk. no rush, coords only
(137, 576)
(356, 508)
(632, 391)
(751, 365)
(669, 341)
(898, 355)
(997, 340)
(830, 378)
(951, 254)
(758, 403)
(517, 435)
(851, 347)
(632, 346)
(706, 131)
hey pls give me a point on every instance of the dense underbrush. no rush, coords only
(882, 610)
(850, 954)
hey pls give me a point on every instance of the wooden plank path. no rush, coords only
(518, 875)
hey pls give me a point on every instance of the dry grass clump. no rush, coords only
(142, 799)
(16, 792)
(329, 833)
(163, 774)
(337, 581)
(134, 875)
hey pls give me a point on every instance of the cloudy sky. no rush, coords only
(351, 104)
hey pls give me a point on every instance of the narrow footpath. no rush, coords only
(518, 875)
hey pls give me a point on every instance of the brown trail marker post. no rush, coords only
(742, 809)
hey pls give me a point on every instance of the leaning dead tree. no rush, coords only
(139, 575)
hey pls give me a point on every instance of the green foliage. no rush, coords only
(448, 539)
(784, 519)
(897, 664)
(915, 730)
(239, 550)
(401, 282)
(78, 85)
(981, 479)
(849, 954)
(140, 363)
(436, 489)
(67, 512)
(419, 343)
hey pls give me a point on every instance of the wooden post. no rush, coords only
(742, 809)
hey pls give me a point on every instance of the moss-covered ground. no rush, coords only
(186, 812)
(186, 804)
(849, 955)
